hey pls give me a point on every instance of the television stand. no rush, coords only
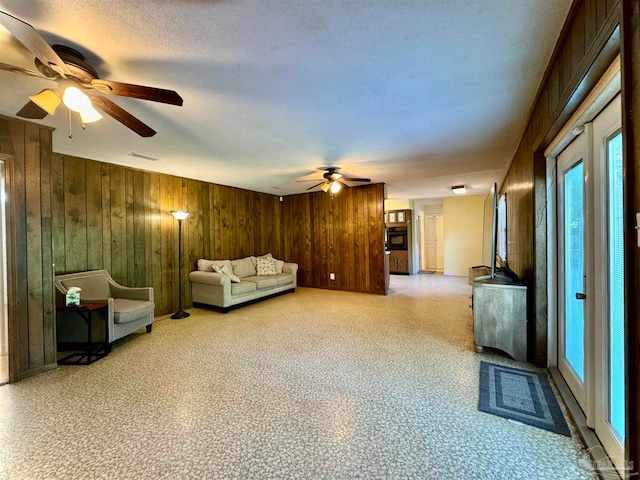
(499, 314)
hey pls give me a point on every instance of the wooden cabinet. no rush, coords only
(397, 217)
(399, 261)
(500, 316)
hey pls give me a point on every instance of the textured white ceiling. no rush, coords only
(420, 95)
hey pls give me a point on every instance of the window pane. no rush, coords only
(616, 286)
(574, 268)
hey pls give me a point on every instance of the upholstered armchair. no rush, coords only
(127, 310)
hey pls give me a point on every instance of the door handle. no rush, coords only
(580, 296)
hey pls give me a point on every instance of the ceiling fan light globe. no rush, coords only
(325, 187)
(46, 100)
(335, 187)
(76, 100)
(90, 115)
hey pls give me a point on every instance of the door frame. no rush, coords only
(11, 267)
(607, 88)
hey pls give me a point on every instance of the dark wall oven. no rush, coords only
(397, 238)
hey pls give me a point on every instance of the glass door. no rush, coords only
(571, 255)
(609, 281)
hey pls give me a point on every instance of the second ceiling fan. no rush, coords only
(334, 181)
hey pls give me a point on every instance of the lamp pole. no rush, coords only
(180, 216)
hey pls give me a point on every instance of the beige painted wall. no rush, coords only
(463, 217)
(398, 204)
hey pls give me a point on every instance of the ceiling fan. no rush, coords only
(77, 80)
(334, 181)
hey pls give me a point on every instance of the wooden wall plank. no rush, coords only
(34, 245)
(118, 198)
(129, 229)
(139, 210)
(75, 223)
(48, 300)
(105, 182)
(57, 212)
(93, 175)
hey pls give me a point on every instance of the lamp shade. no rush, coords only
(47, 101)
(335, 187)
(180, 215)
(90, 115)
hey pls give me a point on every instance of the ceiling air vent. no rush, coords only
(144, 157)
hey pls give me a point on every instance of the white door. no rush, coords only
(439, 243)
(609, 281)
(571, 257)
(434, 243)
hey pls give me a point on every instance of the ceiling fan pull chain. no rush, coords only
(70, 135)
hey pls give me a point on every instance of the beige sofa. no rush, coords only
(218, 290)
(128, 308)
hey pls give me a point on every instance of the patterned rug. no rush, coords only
(520, 396)
(428, 272)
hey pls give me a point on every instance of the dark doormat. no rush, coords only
(520, 395)
(429, 272)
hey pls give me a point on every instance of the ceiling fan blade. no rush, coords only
(312, 180)
(30, 38)
(31, 110)
(24, 71)
(109, 108)
(367, 180)
(342, 183)
(137, 91)
(311, 188)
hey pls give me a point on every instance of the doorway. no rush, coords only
(434, 243)
(4, 317)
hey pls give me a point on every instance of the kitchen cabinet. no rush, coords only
(399, 261)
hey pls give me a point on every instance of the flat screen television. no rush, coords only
(490, 240)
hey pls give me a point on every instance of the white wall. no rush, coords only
(463, 217)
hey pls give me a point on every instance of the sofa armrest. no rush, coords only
(132, 293)
(209, 278)
(290, 268)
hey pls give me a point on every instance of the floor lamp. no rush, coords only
(180, 216)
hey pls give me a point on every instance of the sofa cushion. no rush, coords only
(243, 267)
(262, 282)
(266, 266)
(205, 265)
(93, 287)
(242, 288)
(125, 310)
(227, 271)
(284, 279)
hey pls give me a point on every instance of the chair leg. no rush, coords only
(149, 327)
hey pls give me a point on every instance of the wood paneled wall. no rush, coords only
(26, 150)
(343, 234)
(117, 218)
(588, 44)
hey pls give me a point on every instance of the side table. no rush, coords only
(85, 311)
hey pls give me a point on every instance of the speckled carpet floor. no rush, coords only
(314, 385)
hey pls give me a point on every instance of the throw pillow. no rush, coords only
(255, 259)
(243, 267)
(266, 266)
(279, 265)
(226, 270)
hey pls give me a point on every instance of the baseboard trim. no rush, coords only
(36, 371)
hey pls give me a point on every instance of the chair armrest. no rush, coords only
(210, 278)
(290, 268)
(132, 293)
